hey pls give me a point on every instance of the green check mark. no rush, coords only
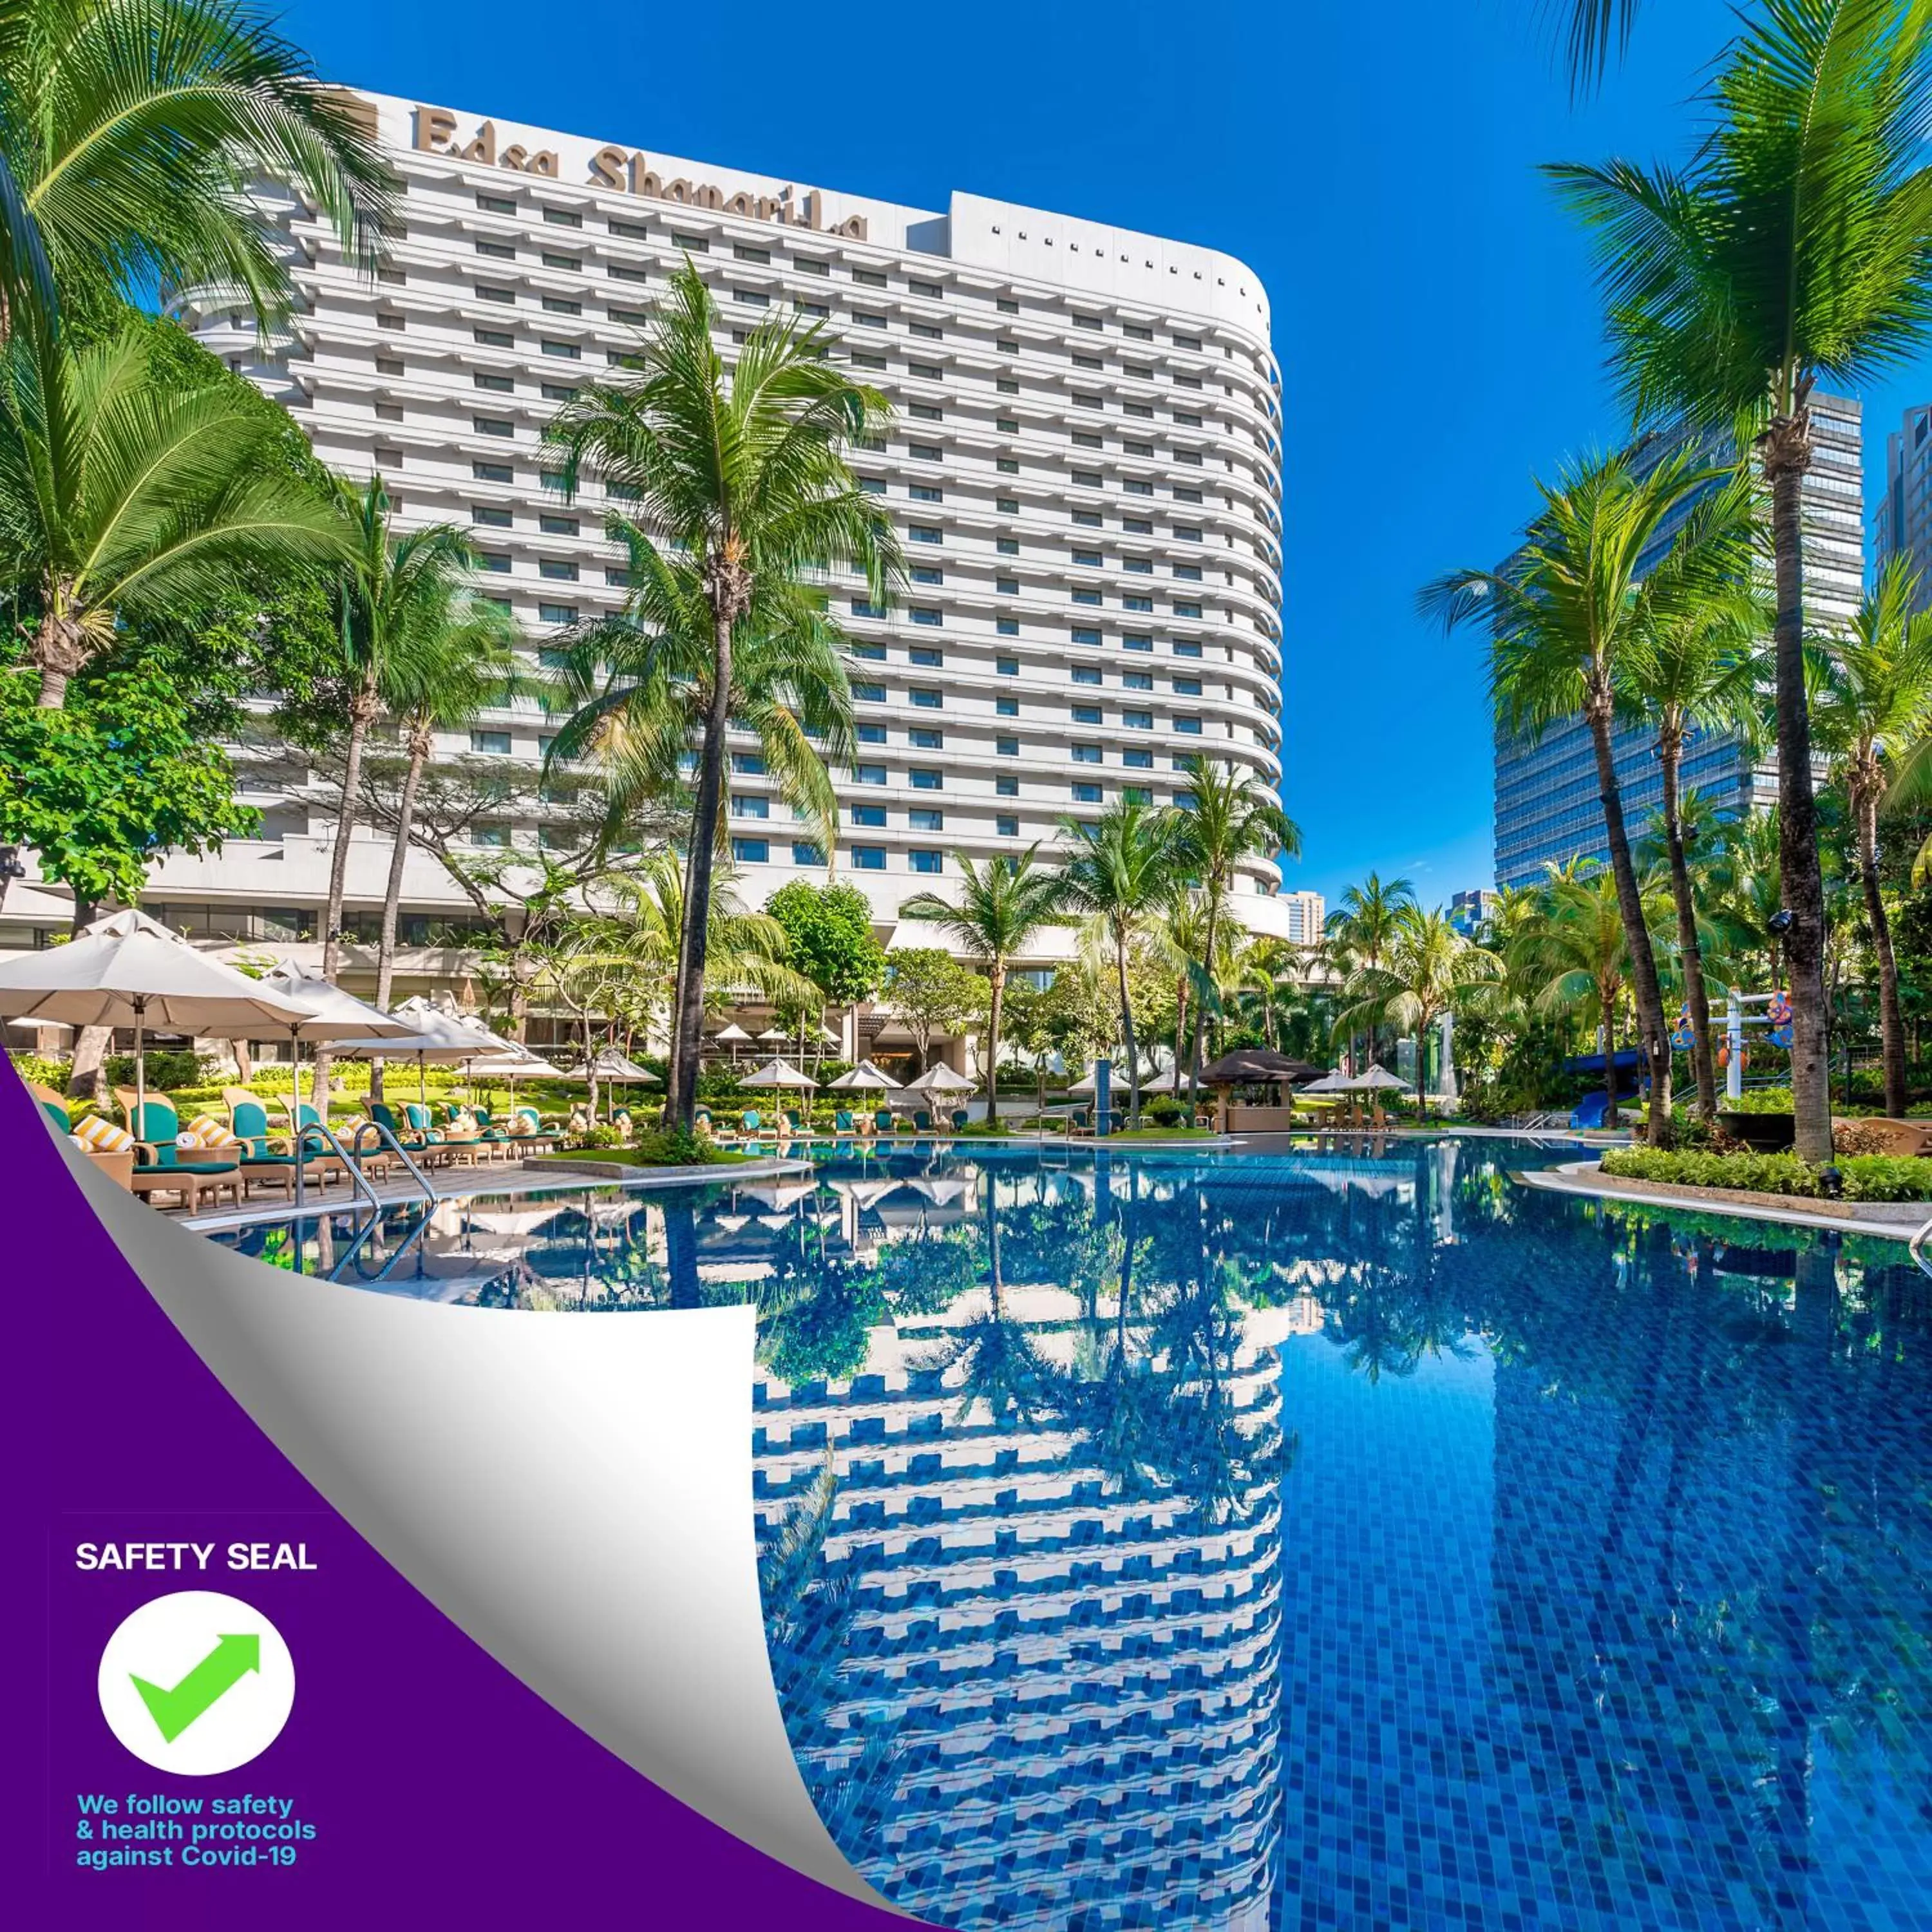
(207, 1683)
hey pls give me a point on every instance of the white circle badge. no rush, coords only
(196, 1683)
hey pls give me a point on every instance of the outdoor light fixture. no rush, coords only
(1831, 1183)
(1780, 922)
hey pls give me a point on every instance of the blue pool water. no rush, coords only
(1303, 1540)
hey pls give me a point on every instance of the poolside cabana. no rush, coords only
(1253, 1066)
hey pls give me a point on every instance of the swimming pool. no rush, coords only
(1355, 1539)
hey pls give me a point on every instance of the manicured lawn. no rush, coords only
(1163, 1134)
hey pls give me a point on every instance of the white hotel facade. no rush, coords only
(1084, 467)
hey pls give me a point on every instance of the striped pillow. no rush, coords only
(526, 1121)
(205, 1131)
(100, 1135)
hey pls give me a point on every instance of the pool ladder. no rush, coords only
(1916, 1248)
(317, 1131)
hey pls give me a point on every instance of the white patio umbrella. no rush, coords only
(775, 1033)
(940, 1079)
(128, 969)
(866, 1078)
(512, 1061)
(732, 1035)
(1334, 1081)
(618, 1069)
(339, 1015)
(433, 1035)
(779, 1073)
(1380, 1080)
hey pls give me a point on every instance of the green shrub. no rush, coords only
(603, 1134)
(169, 1067)
(1870, 1177)
(43, 1067)
(1758, 1100)
(674, 1146)
(1165, 1111)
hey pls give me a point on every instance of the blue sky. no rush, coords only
(1433, 312)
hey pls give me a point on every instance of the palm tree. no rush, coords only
(1229, 817)
(132, 130)
(1794, 248)
(1876, 711)
(1576, 955)
(1695, 672)
(394, 598)
(1002, 904)
(121, 497)
(1360, 930)
(1588, 586)
(464, 663)
(1428, 970)
(1122, 866)
(1594, 32)
(742, 494)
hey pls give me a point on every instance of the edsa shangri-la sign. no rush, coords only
(629, 171)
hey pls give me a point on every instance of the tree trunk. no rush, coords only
(1787, 450)
(1609, 1006)
(1654, 1040)
(60, 648)
(694, 943)
(1670, 752)
(1127, 1034)
(361, 709)
(996, 980)
(1201, 1011)
(392, 894)
(1890, 1018)
(90, 1043)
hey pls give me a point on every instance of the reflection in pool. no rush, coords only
(1299, 1539)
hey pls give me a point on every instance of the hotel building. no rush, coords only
(1901, 525)
(1084, 467)
(1547, 808)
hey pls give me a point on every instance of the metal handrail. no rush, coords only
(356, 1176)
(1915, 1247)
(385, 1139)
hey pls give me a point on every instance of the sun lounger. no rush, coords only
(117, 1163)
(160, 1165)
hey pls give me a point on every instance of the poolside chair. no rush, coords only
(425, 1149)
(526, 1133)
(960, 1118)
(752, 1125)
(267, 1159)
(842, 1129)
(621, 1119)
(882, 1121)
(451, 1146)
(159, 1167)
(116, 1161)
(794, 1121)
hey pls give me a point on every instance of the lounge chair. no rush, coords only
(921, 1121)
(117, 1163)
(268, 1158)
(423, 1145)
(524, 1132)
(842, 1129)
(159, 1167)
(752, 1125)
(960, 1118)
(882, 1121)
(452, 1146)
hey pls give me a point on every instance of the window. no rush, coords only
(488, 513)
(1006, 748)
(818, 311)
(1137, 527)
(1007, 826)
(623, 271)
(559, 570)
(495, 744)
(1188, 573)
(1181, 496)
(926, 699)
(487, 379)
(870, 734)
(924, 614)
(874, 815)
(1085, 794)
(924, 859)
(1186, 609)
(1187, 342)
(743, 251)
(497, 204)
(751, 851)
(926, 818)
(490, 835)
(384, 367)
(1187, 687)
(1142, 604)
(691, 244)
(872, 651)
(1007, 587)
(1007, 466)
(931, 291)
(1187, 647)
(567, 352)
(503, 251)
(804, 852)
(928, 412)
(1007, 546)
(1086, 519)
(868, 858)
(635, 231)
(925, 657)
(571, 264)
(927, 573)
(873, 486)
(1007, 305)
(1085, 634)
(863, 607)
(1138, 680)
(384, 320)
(1089, 479)
(750, 805)
(924, 452)
(1006, 707)
(1190, 726)
(631, 318)
(1007, 666)
(1138, 721)
(1092, 596)
(1136, 332)
(871, 775)
(1007, 385)
(868, 278)
(1138, 759)
(1007, 627)
(559, 392)
(615, 575)
(925, 493)
(563, 217)
(925, 533)
(1137, 566)
(1088, 438)
(556, 614)
(1134, 641)
(493, 473)
(1137, 486)
(1007, 506)
(751, 297)
(865, 319)
(869, 694)
(1137, 794)
(1086, 714)
(1086, 673)
(493, 426)
(562, 305)
(809, 264)
(751, 764)
(492, 560)
(485, 292)
(925, 778)
(1005, 786)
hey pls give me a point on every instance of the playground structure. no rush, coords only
(1733, 1054)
